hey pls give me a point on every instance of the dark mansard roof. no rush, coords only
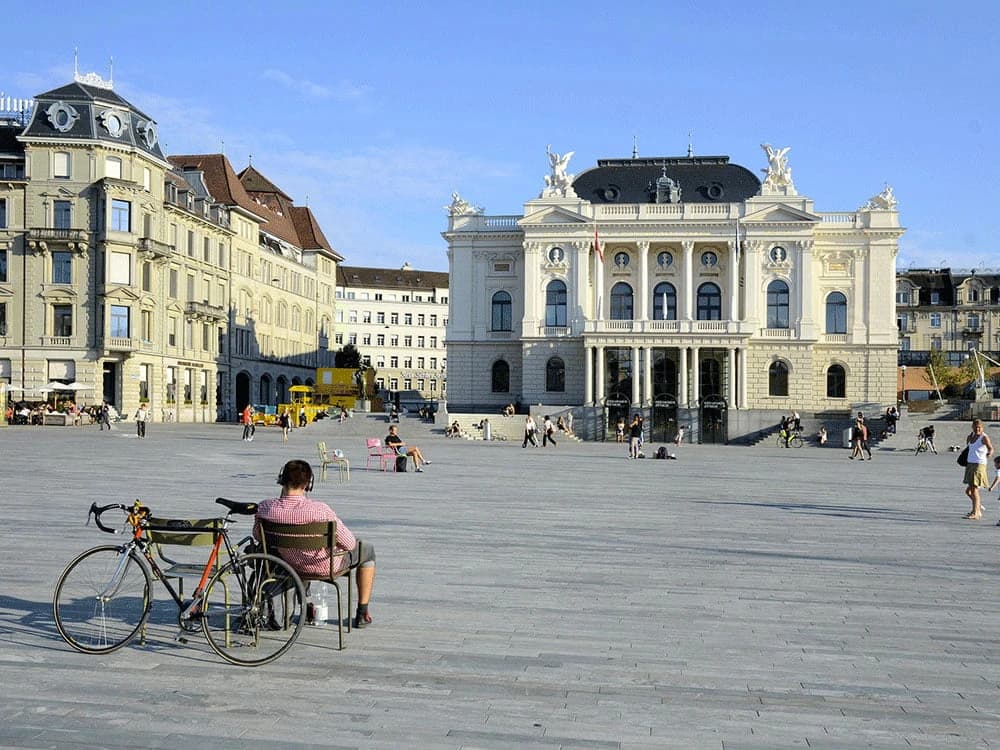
(702, 179)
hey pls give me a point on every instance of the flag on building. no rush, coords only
(597, 245)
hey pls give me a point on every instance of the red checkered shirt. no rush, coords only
(300, 509)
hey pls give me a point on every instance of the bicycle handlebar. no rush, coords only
(96, 511)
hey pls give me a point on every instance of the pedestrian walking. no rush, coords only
(979, 450)
(530, 428)
(548, 430)
(141, 415)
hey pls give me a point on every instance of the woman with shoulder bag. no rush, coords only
(980, 449)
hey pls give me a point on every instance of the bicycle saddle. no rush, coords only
(243, 509)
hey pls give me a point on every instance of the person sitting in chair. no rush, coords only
(394, 441)
(293, 507)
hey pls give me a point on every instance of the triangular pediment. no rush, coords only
(6, 292)
(174, 308)
(779, 214)
(59, 293)
(121, 294)
(553, 215)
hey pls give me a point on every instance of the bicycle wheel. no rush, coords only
(797, 441)
(102, 599)
(253, 609)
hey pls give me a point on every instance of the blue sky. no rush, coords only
(377, 111)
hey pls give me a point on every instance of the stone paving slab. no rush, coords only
(538, 598)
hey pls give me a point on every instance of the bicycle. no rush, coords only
(921, 444)
(251, 610)
(795, 441)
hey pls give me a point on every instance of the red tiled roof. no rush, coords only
(220, 179)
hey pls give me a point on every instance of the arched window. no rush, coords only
(555, 375)
(709, 302)
(836, 382)
(777, 379)
(502, 315)
(777, 304)
(664, 302)
(282, 387)
(555, 304)
(710, 378)
(265, 390)
(621, 301)
(836, 313)
(501, 377)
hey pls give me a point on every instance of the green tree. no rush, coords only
(944, 374)
(349, 356)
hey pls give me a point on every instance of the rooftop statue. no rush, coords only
(884, 201)
(778, 175)
(558, 184)
(460, 207)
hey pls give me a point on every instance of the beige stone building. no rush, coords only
(947, 310)
(397, 318)
(144, 279)
(684, 288)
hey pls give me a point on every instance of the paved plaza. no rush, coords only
(559, 598)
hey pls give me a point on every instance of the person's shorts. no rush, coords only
(975, 475)
(363, 558)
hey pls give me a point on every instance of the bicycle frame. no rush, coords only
(137, 518)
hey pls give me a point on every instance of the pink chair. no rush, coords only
(386, 458)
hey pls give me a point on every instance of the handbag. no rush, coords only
(963, 457)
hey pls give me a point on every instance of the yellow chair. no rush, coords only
(333, 458)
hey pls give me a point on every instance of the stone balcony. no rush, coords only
(152, 249)
(204, 311)
(42, 239)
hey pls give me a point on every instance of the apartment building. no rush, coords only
(397, 318)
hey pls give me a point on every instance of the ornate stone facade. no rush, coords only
(682, 284)
(128, 272)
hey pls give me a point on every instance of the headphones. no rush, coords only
(302, 466)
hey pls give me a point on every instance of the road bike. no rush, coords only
(250, 608)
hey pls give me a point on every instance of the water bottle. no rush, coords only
(320, 609)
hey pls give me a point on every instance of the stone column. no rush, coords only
(599, 391)
(695, 358)
(648, 376)
(635, 376)
(643, 281)
(682, 378)
(743, 378)
(687, 280)
(734, 282)
(731, 376)
(807, 322)
(588, 375)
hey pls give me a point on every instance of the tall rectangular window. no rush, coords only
(62, 320)
(190, 244)
(3, 213)
(60, 165)
(62, 267)
(119, 321)
(147, 178)
(62, 214)
(173, 283)
(172, 332)
(146, 322)
(188, 377)
(3, 318)
(188, 334)
(121, 215)
(120, 271)
(171, 385)
(113, 167)
(147, 277)
(190, 286)
(144, 378)
(3, 266)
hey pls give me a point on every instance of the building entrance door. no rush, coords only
(664, 419)
(714, 423)
(110, 384)
(615, 408)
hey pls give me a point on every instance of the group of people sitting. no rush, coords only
(26, 413)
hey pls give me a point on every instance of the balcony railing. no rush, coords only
(155, 248)
(121, 344)
(666, 326)
(57, 341)
(776, 333)
(50, 234)
(205, 311)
